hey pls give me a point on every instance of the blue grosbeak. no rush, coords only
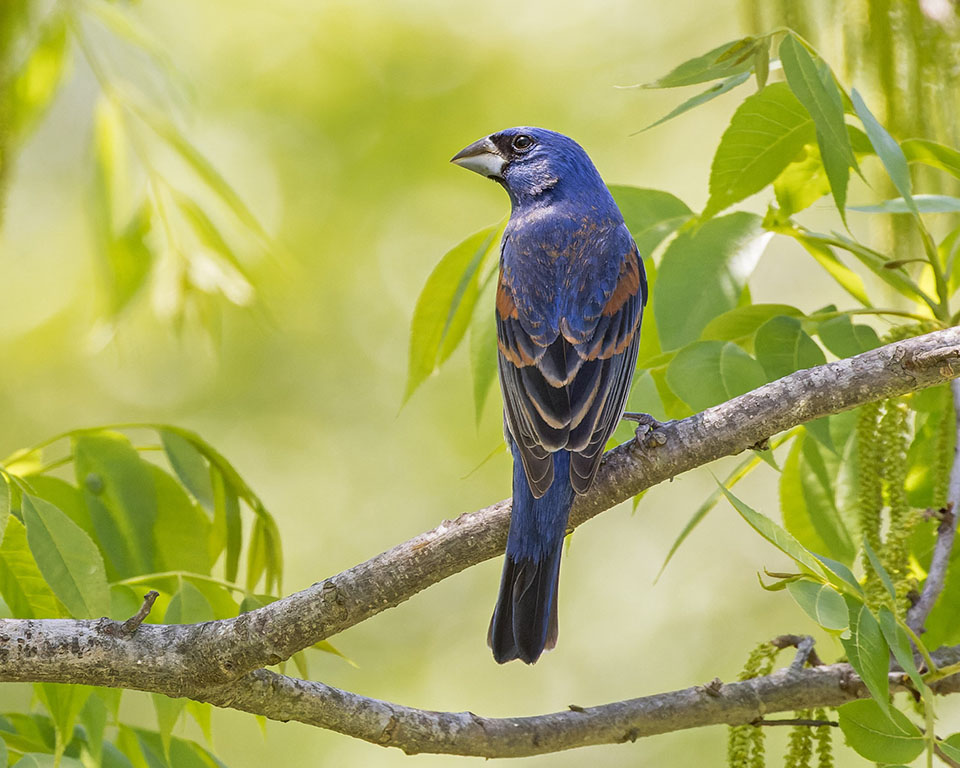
(569, 303)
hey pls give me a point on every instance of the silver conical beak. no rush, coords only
(481, 157)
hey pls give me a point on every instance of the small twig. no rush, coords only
(796, 721)
(805, 652)
(946, 531)
(130, 625)
(713, 688)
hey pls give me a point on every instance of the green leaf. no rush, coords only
(813, 84)
(118, 490)
(820, 602)
(723, 61)
(33, 87)
(256, 556)
(878, 567)
(933, 154)
(775, 534)
(710, 372)
(782, 347)
(740, 324)
(65, 497)
(22, 586)
(167, 131)
(887, 149)
(951, 746)
(220, 598)
(899, 644)
(68, 559)
(483, 348)
(644, 397)
(845, 277)
(189, 465)
(837, 169)
(673, 406)
(4, 758)
(270, 549)
(761, 63)
(93, 718)
(4, 504)
(27, 733)
(802, 182)
(226, 521)
(201, 712)
(844, 339)
(168, 713)
(446, 305)
(718, 89)
(722, 254)
(188, 606)
(841, 573)
(122, 235)
(183, 753)
(44, 760)
(808, 505)
(64, 703)
(868, 653)
(877, 736)
(916, 204)
(182, 530)
(765, 135)
(651, 215)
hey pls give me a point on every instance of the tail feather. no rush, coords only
(524, 621)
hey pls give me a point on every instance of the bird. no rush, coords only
(569, 303)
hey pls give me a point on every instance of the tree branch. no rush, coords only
(946, 533)
(220, 661)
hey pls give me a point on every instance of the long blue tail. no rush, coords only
(524, 621)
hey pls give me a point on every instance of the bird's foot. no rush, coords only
(648, 433)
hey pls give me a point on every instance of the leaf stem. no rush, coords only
(180, 576)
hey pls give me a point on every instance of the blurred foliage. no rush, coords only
(851, 484)
(165, 219)
(903, 51)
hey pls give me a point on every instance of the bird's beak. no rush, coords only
(482, 157)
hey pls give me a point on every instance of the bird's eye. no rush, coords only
(522, 142)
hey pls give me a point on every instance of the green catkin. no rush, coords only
(800, 746)
(824, 737)
(894, 437)
(745, 743)
(870, 495)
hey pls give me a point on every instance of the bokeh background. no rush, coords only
(335, 120)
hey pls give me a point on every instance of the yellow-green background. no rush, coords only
(336, 120)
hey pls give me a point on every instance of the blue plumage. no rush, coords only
(569, 304)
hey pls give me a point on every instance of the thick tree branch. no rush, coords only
(220, 661)
(946, 533)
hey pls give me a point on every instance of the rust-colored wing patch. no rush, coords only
(627, 286)
(506, 306)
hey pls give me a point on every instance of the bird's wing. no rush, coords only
(567, 388)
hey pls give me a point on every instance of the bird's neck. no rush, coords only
(561, 198)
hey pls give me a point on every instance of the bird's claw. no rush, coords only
(648, 434)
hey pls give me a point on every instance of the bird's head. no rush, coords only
(530, 163)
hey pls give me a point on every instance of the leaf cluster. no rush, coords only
(89, 521)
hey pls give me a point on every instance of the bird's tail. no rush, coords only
(524, 621)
